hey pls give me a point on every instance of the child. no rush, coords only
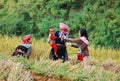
(82, 44)
(24, 49)
(51, 41)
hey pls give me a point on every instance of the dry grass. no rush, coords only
(72, 68)
(39, 48)
(103, 54)
(11, 71)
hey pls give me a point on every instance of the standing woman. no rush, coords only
(60, 35)
(82, 43)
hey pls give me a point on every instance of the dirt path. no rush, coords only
(44, 78)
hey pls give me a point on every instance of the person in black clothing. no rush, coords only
(62, 52)
(24, 49)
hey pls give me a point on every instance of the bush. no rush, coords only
(100, 18)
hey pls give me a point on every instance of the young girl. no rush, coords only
(82, 44)
(24, 49)
(51, 41)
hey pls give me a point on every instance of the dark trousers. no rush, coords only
(62, 53)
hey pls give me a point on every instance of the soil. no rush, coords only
(45, 78)
(42, 78)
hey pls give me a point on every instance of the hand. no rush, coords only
(69, 44)
(64, 37)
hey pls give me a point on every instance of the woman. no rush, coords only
(82, 44)
(60, 35)
(24, 49)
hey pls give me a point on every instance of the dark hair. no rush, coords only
(50, 28)
(83, 32)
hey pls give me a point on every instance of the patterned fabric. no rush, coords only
(59, 40)
(25, 38)
(65, 27)
(61, 51)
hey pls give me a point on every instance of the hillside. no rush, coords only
(100, 17)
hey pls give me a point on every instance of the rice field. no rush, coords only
(104, 62)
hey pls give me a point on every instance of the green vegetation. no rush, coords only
(20, 17)
(64, 71)
(100, 17)
(104, 65)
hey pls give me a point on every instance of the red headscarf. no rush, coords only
(26, 38)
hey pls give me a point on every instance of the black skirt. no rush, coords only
(62, 53)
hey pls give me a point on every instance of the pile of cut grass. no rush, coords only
(11, 71)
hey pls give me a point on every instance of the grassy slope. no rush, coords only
(8, 44)
(100, 59)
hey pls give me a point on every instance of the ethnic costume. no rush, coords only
(23, 49)
(61, 52)
(60, 35)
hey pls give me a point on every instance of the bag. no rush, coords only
(79, 57)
